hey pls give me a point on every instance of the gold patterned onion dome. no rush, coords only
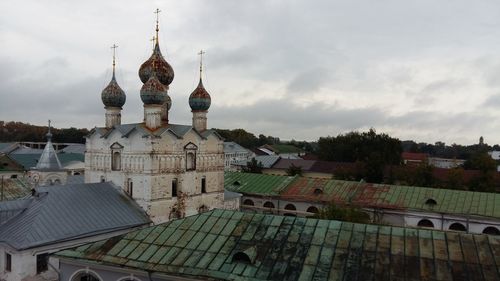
(200, 100)
(154, 92)
(157, 64)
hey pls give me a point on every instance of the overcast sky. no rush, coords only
(422, 70)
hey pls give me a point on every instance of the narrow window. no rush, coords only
(8, 262)
(103, 179)
(174, 188)
(42, 263)
(116, 161)
(203, 185)
(130, 188)
(190, 161)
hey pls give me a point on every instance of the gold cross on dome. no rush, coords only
(201, 53)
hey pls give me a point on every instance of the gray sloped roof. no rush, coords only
(266, 160)
(48, 160)
(61, 213)
(75, 148)
(125, 130)
(232, 147)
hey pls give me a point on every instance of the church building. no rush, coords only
(170, 170)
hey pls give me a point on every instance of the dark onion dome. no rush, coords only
(199, 100)
(113, 95)
(157, 64)
(154, 92)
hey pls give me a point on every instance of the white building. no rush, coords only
(171, 170)
(60, 217)
(233, 154)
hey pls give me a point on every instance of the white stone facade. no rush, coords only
(148, 167)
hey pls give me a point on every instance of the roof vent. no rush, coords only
(318, 191)
(236, 183)
(241, 257)
(430, 202)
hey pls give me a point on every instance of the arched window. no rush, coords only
(190, 161)
(457, 227)
(290, 207)
(241, 257)
(491, 230)
(269, 204)
(248, 202)
(430, 202)
(425, 223)
(57, 182)
(116, 164)
(313, 210)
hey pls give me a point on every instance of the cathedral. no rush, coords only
(170, 170)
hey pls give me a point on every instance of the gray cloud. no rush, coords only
(376, 60)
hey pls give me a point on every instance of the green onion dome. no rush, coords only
(199, 100)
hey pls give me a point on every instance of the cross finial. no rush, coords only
(157, 12)
(201, 53)
(49, 125)
(114, 53)
(153, 40)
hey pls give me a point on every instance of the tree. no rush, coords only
(348, 213)
(483, 162)
(253, 167)
(455, 179)
(294, 170)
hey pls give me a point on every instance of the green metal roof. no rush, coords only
(255, 183)
(291, 248)
(367, 195)
(29, 161)
(14, 189)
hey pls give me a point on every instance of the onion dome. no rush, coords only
(157, 64)
(200, 100)
(113, 95)
(154, 92)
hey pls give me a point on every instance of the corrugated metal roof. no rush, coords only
(59, 213)
(232, 147)
(255, 183)
(291, 248)
(367, 194)
(266, 160)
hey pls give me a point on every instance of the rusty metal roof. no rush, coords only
(14, 189)
(291, 248)
(370, 195)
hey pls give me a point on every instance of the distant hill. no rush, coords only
(12, 131)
